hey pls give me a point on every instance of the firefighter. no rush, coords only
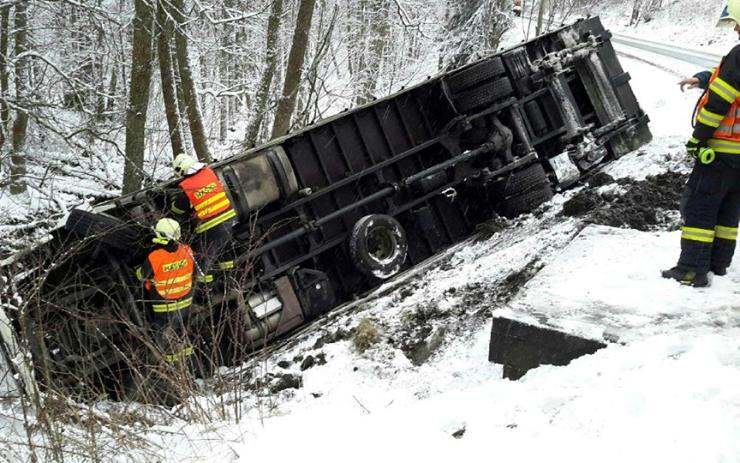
(711, 200)
(167, 277)
(202, 195)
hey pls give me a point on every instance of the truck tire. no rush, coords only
(378, 245)
(525, 202)
(483, 95)
(521, 181)
(110, 230)
(475, 74)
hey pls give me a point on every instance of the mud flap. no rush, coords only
(291, 316)
(521, 347)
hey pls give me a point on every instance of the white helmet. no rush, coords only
(167, 229)
(185, 165)
(731, 13)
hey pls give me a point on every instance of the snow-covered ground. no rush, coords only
(669, 390)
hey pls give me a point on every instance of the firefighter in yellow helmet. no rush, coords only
(167, 277)
(711, 200)
(203, 197)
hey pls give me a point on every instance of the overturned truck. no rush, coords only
(333, 210)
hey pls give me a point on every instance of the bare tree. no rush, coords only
(4, 109)
(643, 10)
(190, 95)
(20, 125)
(475, 27)
(141, 76)
(294, 70)
(164, 53)
(541, 16)
(370, 46)
(272, 56)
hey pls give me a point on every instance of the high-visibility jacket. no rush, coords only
(171, 280)
(718, 115)
(211, 206)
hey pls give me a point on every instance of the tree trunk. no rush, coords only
(271, 61)
(467, 34)
(376, 14)
(224, 66)
(197, 131)
(540, 17)
(141, 76)
(182, 111)
(4, 34)
(110, 101)
(20, 126)
(635, 17)
(286, 105)
(164, 53)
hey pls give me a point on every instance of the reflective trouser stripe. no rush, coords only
(177, 356)
(226, 265)
(172, 306)
(204, 278)
(709, 118)
(726, 233)
(698, 234)
(218, 220)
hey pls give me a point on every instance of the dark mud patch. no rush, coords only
(487, 229)
(426, 327)
(285, 381)
(645, 205)
(340, 334)
(311, 361)
(599, 179)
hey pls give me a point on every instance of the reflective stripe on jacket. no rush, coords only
(211, 205)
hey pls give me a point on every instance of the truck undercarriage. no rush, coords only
(332, 211)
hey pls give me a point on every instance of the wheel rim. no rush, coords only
(381, 243)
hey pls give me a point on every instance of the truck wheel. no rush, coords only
(520, 181)
(110, 230)
(483, 95)
(525, 202)
(475, 74)
(378, 245)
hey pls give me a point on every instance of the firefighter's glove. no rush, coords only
(700, 151)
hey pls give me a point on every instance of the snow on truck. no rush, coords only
(333, 210)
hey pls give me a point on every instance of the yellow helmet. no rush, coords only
(731, 13)
(184, 164)
(167, 229)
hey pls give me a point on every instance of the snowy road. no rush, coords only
(700, 58)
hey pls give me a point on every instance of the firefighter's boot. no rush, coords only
(687, 277)
(719, 271)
